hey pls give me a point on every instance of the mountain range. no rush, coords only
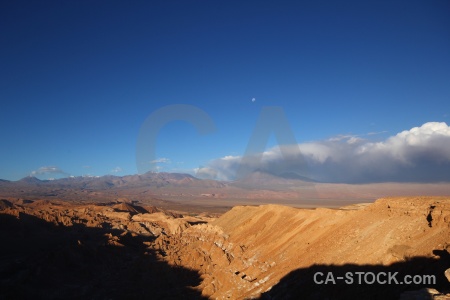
(257, 188)
(256, 180)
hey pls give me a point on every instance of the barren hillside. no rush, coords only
(268, 251)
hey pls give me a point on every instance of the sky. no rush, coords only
(361, 87)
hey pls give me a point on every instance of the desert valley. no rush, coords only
(172, 236)
(225, 150)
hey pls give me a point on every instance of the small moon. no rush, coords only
(253, 99)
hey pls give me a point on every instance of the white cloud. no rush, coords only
(161, 160)
(209, 172)
(48, 170)
(116, 170)
(421, 154)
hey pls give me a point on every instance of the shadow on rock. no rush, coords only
(41, 260)
(361, 282)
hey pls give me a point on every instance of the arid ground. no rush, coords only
(57, 249)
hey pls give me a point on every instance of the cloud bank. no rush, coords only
(421, 154)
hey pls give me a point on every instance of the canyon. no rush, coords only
(126, 249)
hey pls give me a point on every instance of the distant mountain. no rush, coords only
(161, 188)
(262, 180)
(255, 180)
(4, 182)
(152, 179)
(31, 180)
(147, 180)
(295, 176)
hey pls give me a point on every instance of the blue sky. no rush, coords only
(79, 78)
